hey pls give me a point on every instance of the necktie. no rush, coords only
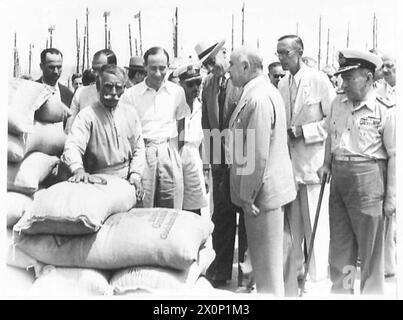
(293, 93)
(221, 101)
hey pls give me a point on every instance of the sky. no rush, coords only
(265, 22)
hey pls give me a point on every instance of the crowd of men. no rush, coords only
(268, 141)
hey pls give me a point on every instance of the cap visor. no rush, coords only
(345, 69)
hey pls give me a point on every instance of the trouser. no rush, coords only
(265, 244)
(356, 225)
(289, 261)
(162, 178)
(390, 245)
(224, 219)
(301, 215)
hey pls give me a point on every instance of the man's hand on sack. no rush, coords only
(136, 182)
(81, 176)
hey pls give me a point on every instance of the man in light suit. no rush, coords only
(219, 98)
(261, 181)
(307, 94)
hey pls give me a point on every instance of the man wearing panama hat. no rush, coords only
(360, 158)
(219, 99)
(135, 71)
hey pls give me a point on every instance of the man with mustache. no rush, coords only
(106, 136)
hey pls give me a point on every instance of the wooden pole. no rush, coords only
(243, 23)
(77, 48)
(348, 34)
(130, 42)
(15, 55)
(141, 42)
(232, 34)
(109, 38)
(51, 29)
(327, 46)
(320, 40)
(106, 15)
(87, 12)
(176, 34)
(297, 29)
(30, 58)
(84, 43)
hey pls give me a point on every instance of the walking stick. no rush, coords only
(315, 225)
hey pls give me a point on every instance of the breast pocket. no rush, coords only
(312, 108)
(368, 131)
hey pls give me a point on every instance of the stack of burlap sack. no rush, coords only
(77, 239)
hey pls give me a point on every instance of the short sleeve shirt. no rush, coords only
(367, 130)
(158, 110)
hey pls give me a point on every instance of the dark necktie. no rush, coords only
(221, 101)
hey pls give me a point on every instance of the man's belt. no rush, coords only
(148, 141)
(354, 159)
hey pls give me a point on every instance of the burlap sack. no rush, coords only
(53, 110)
(26, 176)
(161, 280)
(48, 138)
(24, 98)
(15, 148)
(155, 237)
(70, 282)
(68, 208)
(16, 204)
(17, 258)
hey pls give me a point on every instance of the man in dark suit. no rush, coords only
(51, 66)
(219, 99)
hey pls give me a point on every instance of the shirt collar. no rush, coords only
(164, 86)
(369, 102)
(252, 82)
(300, 72)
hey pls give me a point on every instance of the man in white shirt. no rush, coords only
(191, 137)
(159, 105)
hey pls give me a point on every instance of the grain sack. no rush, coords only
(53, 110)
(24, 97)
(70, 282)
(48, 138)
(26, 176)
(154, 237)
(15, 148)
(161, 280)
(17, 258)
(68, 208)
(17, 203)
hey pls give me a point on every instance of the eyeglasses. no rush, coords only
(108, 86)
(191, 84)
(283, 53)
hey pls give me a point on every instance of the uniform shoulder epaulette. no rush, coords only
(340, 91)
(385, 101)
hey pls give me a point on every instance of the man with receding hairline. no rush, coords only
(263, 183)
(85, 96)
(307, 94)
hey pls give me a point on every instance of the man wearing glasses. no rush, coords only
(276, 72)
(106, 137)
(307, 94)
(86, 95)
(191, 137)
